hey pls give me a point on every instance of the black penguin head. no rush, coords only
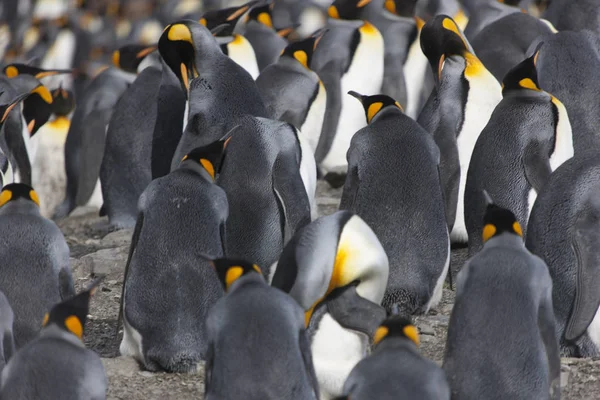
(63, 102)
(6, 108)
(226, 16)
(15, 191)
(128, 58)
(402, 8)
(71, 314)
(302, 50)
(14, 70)
(347, 9)
(209, 157)
(397, 327)
(498, 220)
(523, 76)
(440, 38)
(37, 108)
(263, 14)
(230, 271)
(374, 104)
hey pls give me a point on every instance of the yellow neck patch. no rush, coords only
(265, 19)
(45, 321)
(116, 58)
(380, 334)
(450, 25)
(209, 167)
(11, 71)
(474, 65)
(517, 228)
(257, 269)
(390, 5)
(233, 275)
(412, 333)
(399, 106)
(5, 197)
(60, 124)
(34, 197)
(488, 231)
(302, 57)
(527, 83)
(74, 326)
(43, 92)
(203, 21)
(180, 32)
(373, 110)
(333, 12)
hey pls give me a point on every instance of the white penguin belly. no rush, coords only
(308, 173)
(484, 94)
(436, 297)
(415, 69)
(48, 175)
(311, 128)
(364, 76)
(131, 345)
(240, 50)
(60, 56)
(563, 139)
(594, 329)
(335, 351)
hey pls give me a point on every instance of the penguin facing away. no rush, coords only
(337, 270)
(183, 214)
(395, 369)
(502, 334)
(457, 111)
(277, 365)
(526, 139)
(56, 363)
(409, 219)
(349, 57)
(563, 230)
(261, 33)
(36, 272)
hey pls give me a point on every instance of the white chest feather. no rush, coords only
(60, 56)
(240, 50)
(415, 69)
(308, 173)
(311, 128)
(563, 142)
(594, 329)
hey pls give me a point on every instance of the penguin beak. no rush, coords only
(185, 78)
(362, 3)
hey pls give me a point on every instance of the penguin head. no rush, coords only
(498, 220)
(374, 104)
(208, 157)
(14, 70)
(128, 58)
(63, 102)
(71, 314)
(397, 326)
(346, 9)
(229, 271)
(226, 16)
(302, 50)
(402, 8)
(442, 38)
(263, 14)
(37, 108)
(6, 108)
(523, 75)
(16, 191)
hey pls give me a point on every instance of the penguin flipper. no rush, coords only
(66, 285)
(333, 86)
(308, 363)
(354, 312)
(537, 167)
(134, 240)
(8, 344)
(350, 188)
(586, 241)
(291, 194)
(547, 326)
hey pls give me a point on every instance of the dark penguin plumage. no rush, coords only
(261, 33)
(574, 15)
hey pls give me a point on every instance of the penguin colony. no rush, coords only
(205, 125)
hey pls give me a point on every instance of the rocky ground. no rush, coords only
(97, 253)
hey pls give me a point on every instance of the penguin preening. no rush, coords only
(394, 163)
(274, 366)
(502, 339)
(527, 138)
(457, 111)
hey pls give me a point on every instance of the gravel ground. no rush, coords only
(97, 252)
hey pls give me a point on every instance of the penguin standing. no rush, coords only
(502, 333)
(485, 13)
(457, 110)
(167, 294)
(337, 270)
(563, 231)
(276, 363)
(417, 74)
(263, 37)
(349, 57)
(56, 364)
(36, 272)
(268, 199)
(395, 369)
(409, 219)
(526, 139)
(48, 174)
(84, 147)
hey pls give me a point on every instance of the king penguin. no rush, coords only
(167, 295)
(337, 270)
(48, 174)
(502, 332)
(56, 364)
(578, 15)
(36, 272)
(457, 110)
(526, 139)
(563, 230)
(349, 57)
(395, 369)
(260, 32)
(276, 363)
(484, 13)
(404, 181)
